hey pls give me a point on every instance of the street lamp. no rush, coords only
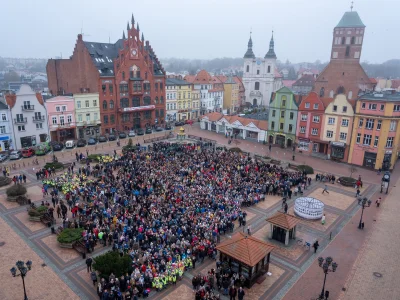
(23, 269)
(327, 266)
(363, 202)
(385, 182)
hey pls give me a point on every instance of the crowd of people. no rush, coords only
(167, 208)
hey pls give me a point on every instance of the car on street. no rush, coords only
(16, 154)
(148, 130)
(92, 141)
(179, 123)
(28, 152)
(57, 146)
(140, 131)
(131, 133)
(159, 129)
(190, 122)
(70, 144)
(112, 137)
(43, 149)
(168, 127)
(102, 139)
(122, 135)
(3, 157)
(81, 143)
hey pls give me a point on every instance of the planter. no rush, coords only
(347, 181)
(5, 181)
(66, 245)
(14, 198)
(34, 219)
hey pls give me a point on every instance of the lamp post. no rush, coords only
(23, 269)
(327, 265)
(363, 202)
(385, 181)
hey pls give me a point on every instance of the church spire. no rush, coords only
(123, 35)
(271, 51)
(137, 26)
(127, 28)
(133, 21)
(249, 53)
(142, 37)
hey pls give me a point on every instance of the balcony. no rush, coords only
(138, 108)
(38, 119)
(28, 107)
(21, 121)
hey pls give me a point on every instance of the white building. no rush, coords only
(260, 75)
(29, 117)
(6, 129)
(171, 104)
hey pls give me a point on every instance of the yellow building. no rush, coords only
(376, 137)
(231, 93)
(184, 99)
(195, 103)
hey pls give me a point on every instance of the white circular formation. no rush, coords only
(309, 208)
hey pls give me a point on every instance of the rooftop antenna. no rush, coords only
(83, 34)
(351, 7)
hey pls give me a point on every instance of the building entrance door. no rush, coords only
(315, 147)
(279, 234)
(369, 160)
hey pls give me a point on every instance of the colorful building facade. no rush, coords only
(282, 119)
(376, 135)
(61, 118)
(87, 114)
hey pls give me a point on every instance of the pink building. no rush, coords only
(61, 118)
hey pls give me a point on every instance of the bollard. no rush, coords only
(330, 235)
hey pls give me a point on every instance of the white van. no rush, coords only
(69, 144)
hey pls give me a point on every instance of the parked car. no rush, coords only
(148, 130)
(102, 139)
(131, 133)
(122, 135)
(3, 157)
(190, 122)
(16, 154)
(43, 148)
(179, 123)
(57, 146)
(92, 141)
(112, 137)
(140, 131)
(28, 152)
(168, 127)
(70, 144)
(81, 143)
(159, 129)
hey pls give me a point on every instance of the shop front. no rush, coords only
(280, 140)
(303, 145)
(387, 161)
(369, 160)
(5, 143)
(338, 150)
(87, 132)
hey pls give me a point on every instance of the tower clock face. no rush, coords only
(258, 62)
(134, 52)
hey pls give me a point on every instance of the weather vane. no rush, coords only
(351, 7)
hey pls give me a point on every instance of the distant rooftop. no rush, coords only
(350, 19)
(257, 116)
(391, 96)
(177, 81)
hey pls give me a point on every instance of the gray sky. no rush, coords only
(198, 29)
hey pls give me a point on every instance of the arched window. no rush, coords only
(350, 95)
(247, 68)
(343, 40)
(331, 94)
(123, 75)
(353, 39)
(322, 92)
(124, 103)
(255, 102)
(156, 100)
(105, 119)
(161, 99)
(134, 72)
(111, 104)
(269, 69)
(340, 90)
(104, 104)
(256, 85)
(135, 101)
(146, 100)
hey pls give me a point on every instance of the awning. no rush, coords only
(338, 144)
(304, 140)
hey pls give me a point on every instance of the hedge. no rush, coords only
(112, 262)
(347, 181)
(5, 181)
(16, 190)
(37, 212)
(70, 235)
(94, 157)
(306, 168)
(56, 165)
(235, 149)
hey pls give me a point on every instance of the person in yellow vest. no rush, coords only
(174, 279)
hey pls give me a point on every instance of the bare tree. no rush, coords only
(352, 170)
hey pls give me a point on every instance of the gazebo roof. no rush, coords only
(283, 220)
(246, 249)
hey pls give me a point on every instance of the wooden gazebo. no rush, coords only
(246, 255)
(283, 227)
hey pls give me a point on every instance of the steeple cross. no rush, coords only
(351, 7)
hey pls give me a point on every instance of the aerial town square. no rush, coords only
(212, 178)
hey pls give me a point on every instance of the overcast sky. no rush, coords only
(198, 29)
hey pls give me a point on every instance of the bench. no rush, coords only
(80, 247)
(47, 219)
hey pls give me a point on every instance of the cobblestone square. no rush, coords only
(333, 199)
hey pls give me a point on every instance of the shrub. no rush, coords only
(5, 181)
(347, 181)
(235, 149)
(128, 148)
(112, 262)
(56, 165)
(70, 235)
(306, 168)
(94, 157)
(130, 142)
(16, 190)
(37, 212)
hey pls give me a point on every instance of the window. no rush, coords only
(21, 127)
(283, 103)
(104, 104)
(273, 112)
(2, 129)
(367, 139)
(281, 126)
(79, 118)
(137, 86)
(372, 106)
(57, 109)
(156, 100)
(111, 89)
(69, 119)
(112, 119)
(162, 99)
(62, 120)
(347, 51)
(382, 107)
(345, 122)
(39, 126)
(322, 92)
(376, 141)
(161, 86)
(78, 104)
(291, 116)
(392, 126)
(316, 119)
(302, 129)
(156, 86)
(357, 54)
(335, 108)
(96, 117)
(64, 108)
(124, 102)
(105, 119)
(247, 68)
(343, 136)
(344, 109)
(87, 117)
(54, 120)
(3, 117)
(335, 54)
(314, 131)
(146, 100)
(256, 85)
(290, 127)
(331, 121)
(363, 105)
(269, 69)
(94, 103)
(329, 134)
(358, 138)
(353, 40)
(147, 114)
(379, 125)
(111, 104)
(304, 117)
(87, 103)
(396, 107)
(307, 105)
(316, 106)
(258, 72)
(282, 114)
(135, 101)
(360, 122)
(273, 125)
(369, 124)
(389, 142)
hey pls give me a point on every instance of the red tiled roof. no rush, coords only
(277, 74)
(288, 83)
(189, 78)
(247, 249)
(326, 101)
(305, 80)
(11, 99)
(284, 221)
(203, 77)
(373, 80)
(214, 116)
(220, 78)
(395, 83)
